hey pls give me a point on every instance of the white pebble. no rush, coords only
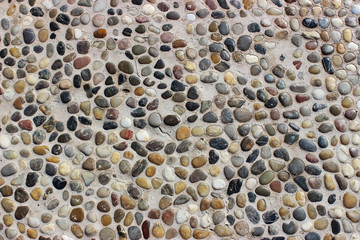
(168, 174)
(9, 95)
(99, 6)
(192, 208)
(48, 228)
(148, 9)
(150, 92)
(218, 184)
(77, 33)
(34, 222)
(142, 136)
(190, 17)
(307, 226)
(355, 185)
(4, 141)
(347, 170)
(336, 212)
(182, 216)
(126, 20)
(318, 94)
(47, 4)
(251, 183)
(126, 122)
(341, 153)
(205, 221)
(251, 59)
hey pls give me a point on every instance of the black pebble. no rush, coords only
(59, 182)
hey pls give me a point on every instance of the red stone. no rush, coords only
(311, 158)
(26, 125)
(177, 71)
(297, 64)
(168, 217)
(276, 186)
(145, 227)
(126, 134)
(114, 199)
(179, 43)
(81, 62)
(340, 124)
(211, 4)
(154, 214)
(301, 98)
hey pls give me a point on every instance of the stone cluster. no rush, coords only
(188, 119)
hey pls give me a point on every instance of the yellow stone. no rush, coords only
(115, 157)
(182, 133)
(274, 142)
(190, 28)
(230, 79)
(185, 161)
(32, 233)
(217, 203)
(156, 158)
(198, 131)
(158, 230)
(19, 86)
(300, 197)
(15, 52)
(85, 107)
(64, 168)
(185, 231)
(203, 189)
(340, 48)
(192, 79)
(201, 234)
(214, 171)
(321, 223)
(98, 113)
(156, 182)
(41, 150)
(347, 35)
(288, 201)
(44, 62)
(180, 186)
(233, 147)
(53, 159)
(143, 182)
(36, 194)
(198, 161)
(329, 182)
(190, 66)
(129, 218)
(261, 205)
(106, 220)
(43, 35)
(11, 10)
(284, 213)
(8, 220)
(150, 171)
(128, 155)
(21, 227)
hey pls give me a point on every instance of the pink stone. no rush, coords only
(81, 62)
(340, 124)
(142, 19)
(124, 44)
(166, 37)
(26, 125)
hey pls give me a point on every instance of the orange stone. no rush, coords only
(100, 33)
